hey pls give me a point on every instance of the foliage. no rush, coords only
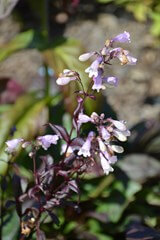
(142, 11)
(123, 205)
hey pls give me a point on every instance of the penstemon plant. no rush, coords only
(55, 182)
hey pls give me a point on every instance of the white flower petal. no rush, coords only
(84, 57)
(117, 149)
(120, 135)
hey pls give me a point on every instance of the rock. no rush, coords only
(140, 167)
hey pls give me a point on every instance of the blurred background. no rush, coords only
(38, 39)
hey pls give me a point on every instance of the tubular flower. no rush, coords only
(105, 164)
(86, 147)
(92, 70)
(104, 56)
(66, 77)
(122, 37)
(47, 140)
(84, 57)
(12, 145)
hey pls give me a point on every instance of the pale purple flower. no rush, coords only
(125, 58)
(86, 147)
(116, 148)
(119, 124)
(102, 146)
(122, 37)
(64, 147)
(112, 81)
(66, 77)
(94, 117)
(105, 134)
(47, 140)
(112, 159)
(84, 57)
(94, 67)
(83, 118)
(98, 82)
(131, 60)
(121, 135)
(12, 145)
(105, 165)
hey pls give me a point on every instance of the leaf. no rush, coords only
(73, 186)
(139, 9)
(28, 115)
(119, 198)
(155, 28)
(11, 226)
(20, 41)
(6, 7)
(60, 131)
(139, 232)
(104, 1)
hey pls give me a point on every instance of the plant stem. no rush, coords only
(47, 81)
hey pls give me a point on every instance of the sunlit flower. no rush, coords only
(105, 165)
(119, 124)
(12, 145)
(98, 82)
(86, 147)
(94, 67)
(121, 135)
(83, 118)
(112, 81)
(84, 57)
(47, 140)
(122, 37)
(66, 77)
(105, 134)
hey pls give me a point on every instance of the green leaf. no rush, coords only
(28, 115)
(104, 1)
(120, 197)
(20, 41)
(11, 227)
(139, 10)
(155, 28)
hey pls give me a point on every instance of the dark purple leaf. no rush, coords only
(51, 203)
(73, 186)
(54, 218)
(139, 232)
(62, 173)
(60, 131)
(33, 191)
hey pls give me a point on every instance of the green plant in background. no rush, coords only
(142, 10)
(110, 205)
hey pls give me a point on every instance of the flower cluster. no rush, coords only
(103, 145)
(55, 181)
(103, 57)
